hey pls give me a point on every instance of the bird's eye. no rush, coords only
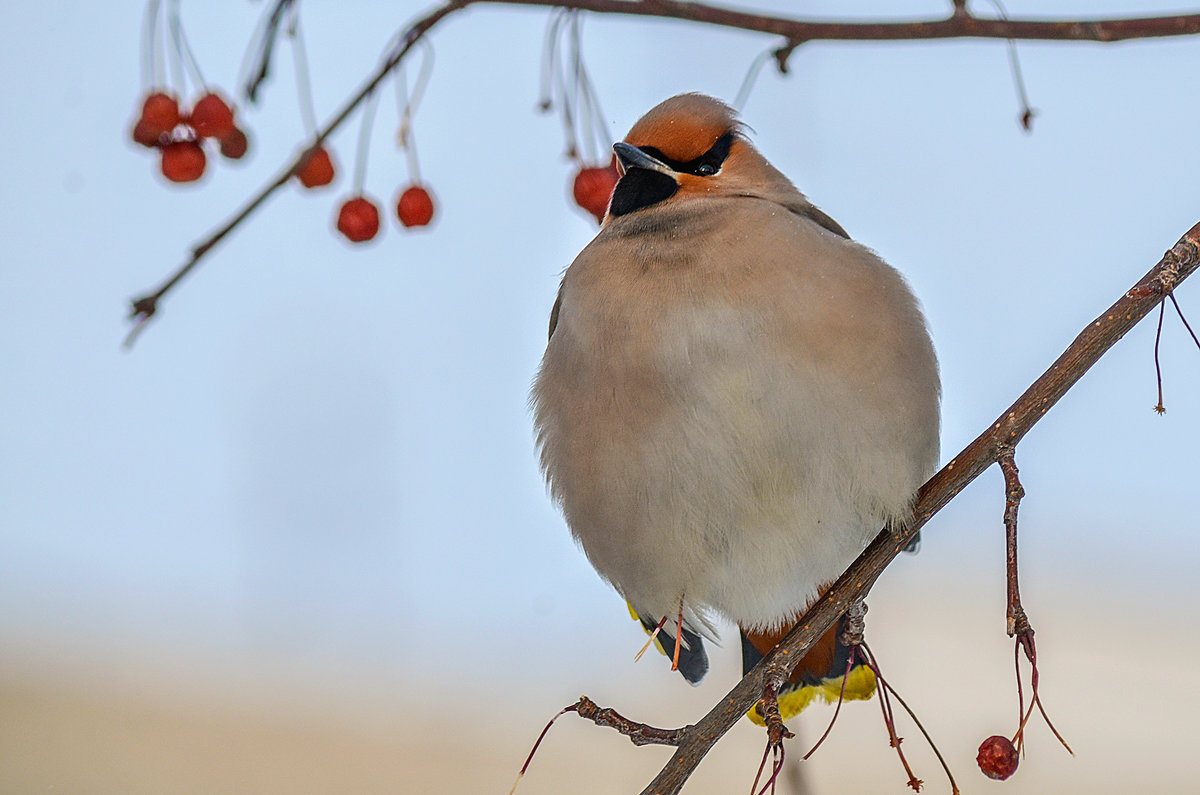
(706, 170)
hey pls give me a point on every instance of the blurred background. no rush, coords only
(296, 539)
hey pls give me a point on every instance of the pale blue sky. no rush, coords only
(325, 452)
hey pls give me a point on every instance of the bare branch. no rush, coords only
(961, 24)
(1016, 622)
(956, 26)
(638, 733)
(1099, 335)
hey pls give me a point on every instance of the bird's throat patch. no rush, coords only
(641, 188)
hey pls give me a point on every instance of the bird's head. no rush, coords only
(689, 146)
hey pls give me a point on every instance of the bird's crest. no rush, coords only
(684, 127)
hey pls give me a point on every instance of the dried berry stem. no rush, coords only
(921, 728)
(257, 63)
(752, 72)
(183, 50)
(308, 111)
(1026, 642)
(1014, 63)
(537, 744)
(407, 103)
(776, 754)
(837, 710)
(1159, 408)
(1186, 325)
(153, 70)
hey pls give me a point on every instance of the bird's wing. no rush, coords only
(816, 215)
(554, 312)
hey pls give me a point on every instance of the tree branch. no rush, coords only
(960, 24)
(1099, 335)
(1016, 621)
(638, 733)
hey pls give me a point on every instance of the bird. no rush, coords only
(734, 399)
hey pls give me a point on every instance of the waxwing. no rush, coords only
(735, 398)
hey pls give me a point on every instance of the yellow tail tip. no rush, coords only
(860, 686)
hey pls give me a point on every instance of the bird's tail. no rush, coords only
(820, 674)
(693, 660)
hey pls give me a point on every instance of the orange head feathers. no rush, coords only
(692, 146)
(683, 128)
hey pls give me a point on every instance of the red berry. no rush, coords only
(998, 757)
(234, 145)
(183, 161)
(211, 117)
(358, 219)
(160, 113)
(146, 133)
(317, 170)
(593, 189)
(415, 206)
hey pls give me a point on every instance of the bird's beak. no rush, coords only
(629, 156)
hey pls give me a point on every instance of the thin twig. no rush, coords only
(153, 72)
(537, 744)
(304, 93)
(837, 710)
(1017, 623)
(885, 686)
(363, 151)
(256, 66)
(638, 733)
(1026, 642)
(777, 757)
(1014, 63)
(1037, 699)
(852, 636)
(743, 94)
(1020, 688)
(183, 48)
(889, 717)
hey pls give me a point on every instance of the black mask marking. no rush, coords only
(713, 158)
(641, 188)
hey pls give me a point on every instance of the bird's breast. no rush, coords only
(718, 409)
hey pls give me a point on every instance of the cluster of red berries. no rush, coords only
(178, 135)
(358, 218)
(593, 188)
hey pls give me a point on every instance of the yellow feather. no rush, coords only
(860, 685)
(634, 615)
